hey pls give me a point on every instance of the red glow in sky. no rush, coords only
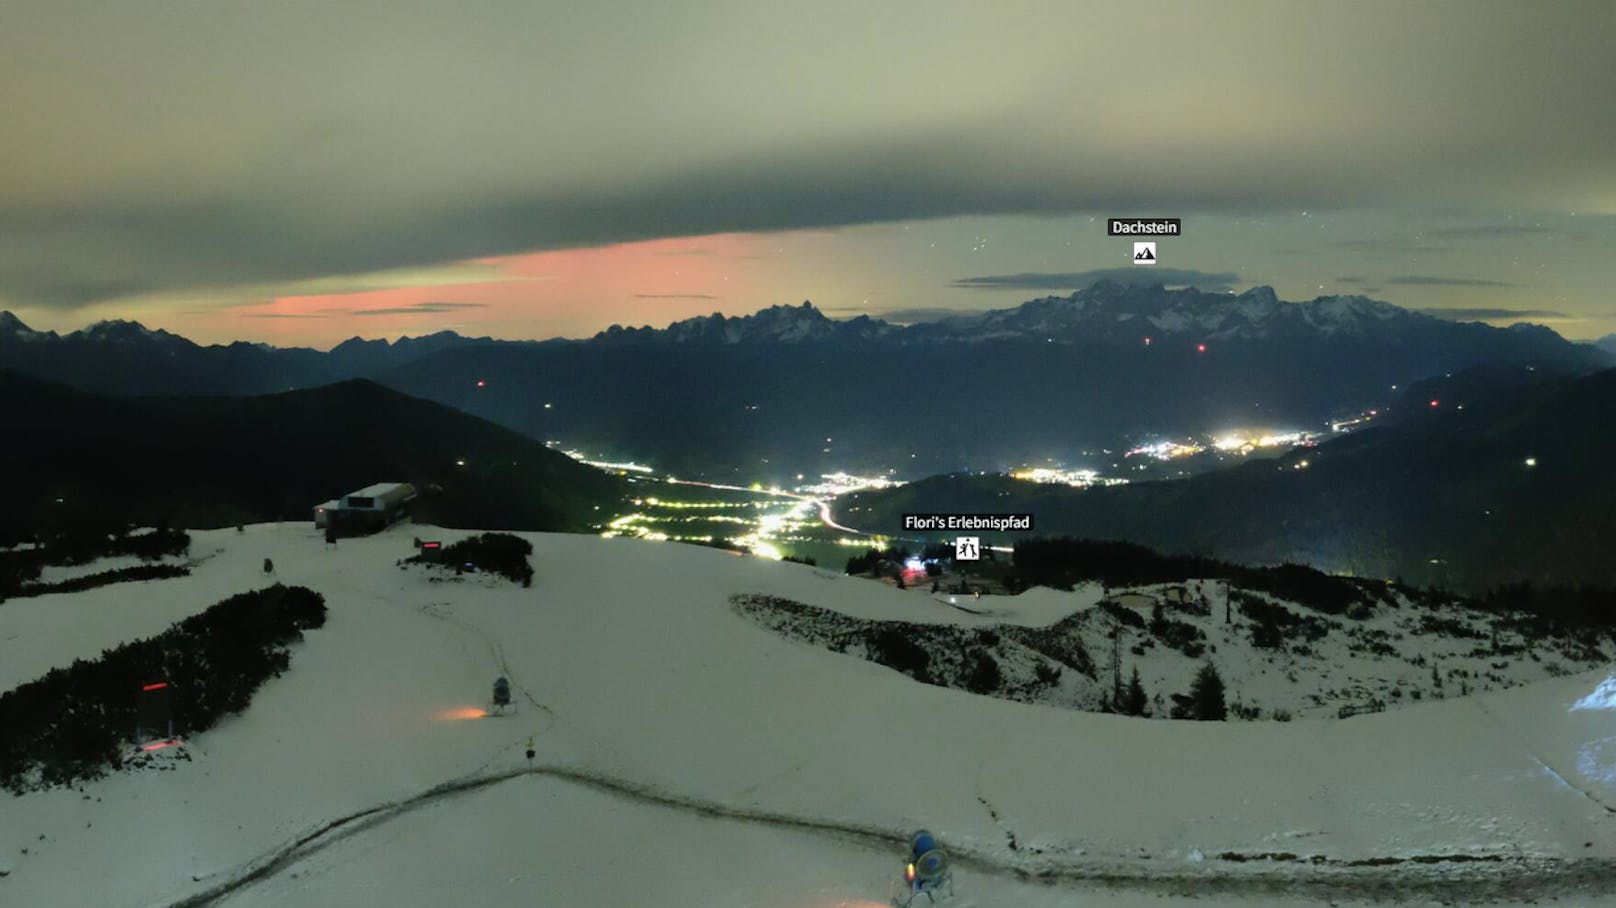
(536, 295)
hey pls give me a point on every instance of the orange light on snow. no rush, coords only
(464, 712)
(159, 745)
(909, 873)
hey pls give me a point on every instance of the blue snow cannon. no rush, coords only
(926, 871)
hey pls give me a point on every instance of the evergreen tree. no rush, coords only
(1134, 702)
(1206, 694)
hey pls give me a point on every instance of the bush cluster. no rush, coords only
(1123, 614)
(984, 676)
(499, 553)
(81, 546)
(75, 722)
(892, 647)
(103, 578)
(1180, 635)
(1273, 624)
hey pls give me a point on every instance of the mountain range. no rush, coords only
(1505, 481)
(125, 358)
(787, 390)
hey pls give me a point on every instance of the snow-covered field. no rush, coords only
(688, 756)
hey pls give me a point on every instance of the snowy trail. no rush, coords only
(1393, 880)
(497, 652)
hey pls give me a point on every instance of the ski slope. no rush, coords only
(687, 756)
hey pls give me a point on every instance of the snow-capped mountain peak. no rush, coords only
(776, 324)
(121, 331)
(1128, 313)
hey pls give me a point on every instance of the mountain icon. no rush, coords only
(1144, 255)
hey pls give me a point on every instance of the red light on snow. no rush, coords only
(463, 713)
(1200, 348)
(158, 686)
(159, 745)
(431, 545)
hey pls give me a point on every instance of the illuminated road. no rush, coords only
(824, 504)
(827, 520)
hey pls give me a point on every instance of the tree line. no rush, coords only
(77, 722)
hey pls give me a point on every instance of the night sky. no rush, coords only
(303, 172)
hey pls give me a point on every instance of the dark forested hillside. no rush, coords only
(1515, 488)
(200, 462)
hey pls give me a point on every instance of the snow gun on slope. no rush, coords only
(925, 871)
(502, 696)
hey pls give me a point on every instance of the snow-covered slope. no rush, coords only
(688, 756)
(1278, 659)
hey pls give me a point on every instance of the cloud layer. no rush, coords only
(162, 148)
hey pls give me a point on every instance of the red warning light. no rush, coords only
(1147, 341)
(158, 686)
(1436, 403)
(481, 383)
(1200, 348)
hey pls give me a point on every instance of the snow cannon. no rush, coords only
(502, 695)
(925, 871)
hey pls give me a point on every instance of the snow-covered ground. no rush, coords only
(56, 573)
(1391, 651)
(689, 756)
